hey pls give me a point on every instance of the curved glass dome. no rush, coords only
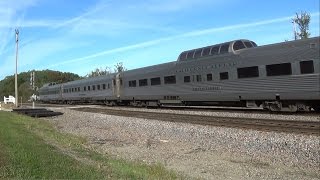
(218, 49)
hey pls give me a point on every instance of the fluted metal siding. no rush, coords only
(294, 87)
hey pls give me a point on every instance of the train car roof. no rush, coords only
(97, 78)
(149, 69)
(217, 49)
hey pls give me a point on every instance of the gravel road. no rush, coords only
(198, 151)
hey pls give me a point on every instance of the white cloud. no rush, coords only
(184, 35)
(167, 6)
(112, 18)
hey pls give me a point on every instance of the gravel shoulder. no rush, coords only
(198, 151)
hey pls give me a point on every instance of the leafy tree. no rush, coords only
(303, 21)
(99, 72)
(119, 67)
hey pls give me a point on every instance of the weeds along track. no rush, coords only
(287, 126)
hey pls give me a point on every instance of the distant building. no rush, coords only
(10, 99)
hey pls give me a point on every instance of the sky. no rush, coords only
(80, 36)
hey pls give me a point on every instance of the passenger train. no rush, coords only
(277, 77)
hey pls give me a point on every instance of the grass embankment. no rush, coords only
(32, 148)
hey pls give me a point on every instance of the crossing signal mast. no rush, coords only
(32, 78)
(32, 82)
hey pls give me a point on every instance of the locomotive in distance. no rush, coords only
(277, 77)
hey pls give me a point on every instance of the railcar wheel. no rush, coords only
(110, 103)
(274, 107)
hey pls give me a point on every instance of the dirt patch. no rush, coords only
(7, 106)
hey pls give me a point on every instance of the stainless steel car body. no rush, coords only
(281, 76)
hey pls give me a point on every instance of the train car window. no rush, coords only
(143, 82)
(190, 54)
(306, 67)
(209, 77)
(224, 75)
(133, 83)
(198, 53)
(279, 69)
(248, 72)
(98, 87)
(84, 88)
(170, 79)
(224, 48)
(103, 86)
(238, 45)
(93, 87)
(108, 86)
(254, 44)
(186, 79)
(183, 56)
(198, 77)
(155, 81)
(88, 88)
(78, 89)
(215, 50)
(248, 44)
(72, 90)
(206, 51)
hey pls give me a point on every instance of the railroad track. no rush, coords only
(287, 126)
(195, 108)
(238, 110)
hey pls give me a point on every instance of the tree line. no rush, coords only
(41, 78)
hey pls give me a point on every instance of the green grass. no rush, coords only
(32, 149)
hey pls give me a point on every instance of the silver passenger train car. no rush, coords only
(277, 77)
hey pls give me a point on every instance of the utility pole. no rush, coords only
(16, 75)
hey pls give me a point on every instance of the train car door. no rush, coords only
(117, 86)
